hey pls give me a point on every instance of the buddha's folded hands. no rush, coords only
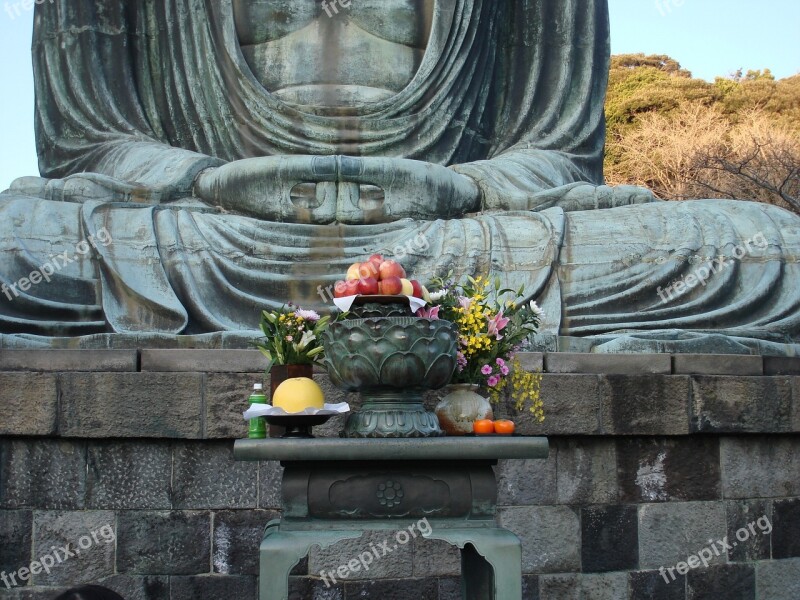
(409, 189)
(326, 189)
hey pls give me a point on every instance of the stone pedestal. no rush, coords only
(444, 489)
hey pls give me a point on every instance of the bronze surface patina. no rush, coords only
(243, 153)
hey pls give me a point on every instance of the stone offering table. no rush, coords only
(337, 489)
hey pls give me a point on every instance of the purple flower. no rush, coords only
(486, 370)
(493, 381)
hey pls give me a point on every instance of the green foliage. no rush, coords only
(641, 84)
(645, 86)
(660, 62)
(292, 336)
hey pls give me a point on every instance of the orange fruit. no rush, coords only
(504, 426)
(483, 426)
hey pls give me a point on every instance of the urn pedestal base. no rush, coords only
(392, 415)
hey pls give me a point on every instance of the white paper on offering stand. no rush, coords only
(267, 410)
(345, 303)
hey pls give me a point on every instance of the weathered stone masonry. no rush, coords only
(651, 456)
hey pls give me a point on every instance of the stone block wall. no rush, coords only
(117, 467)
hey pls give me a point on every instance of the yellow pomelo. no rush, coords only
(297, 394)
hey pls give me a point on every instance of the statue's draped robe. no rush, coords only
(142, 96)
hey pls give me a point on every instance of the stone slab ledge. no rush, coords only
(195, 405)
(249, 361)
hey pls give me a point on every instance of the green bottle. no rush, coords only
(258, 426)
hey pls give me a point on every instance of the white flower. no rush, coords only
(536, 310)
(307, 338)
(307, 315)
(436, 296)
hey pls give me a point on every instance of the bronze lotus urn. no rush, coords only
(391, 361)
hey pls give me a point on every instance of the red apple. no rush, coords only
(391, 268)
(417, 286)
(368, 286)
(354, 272)
(392, 286)
(367, 269)
(352, 287)
(339, 289)
(376, 260)
(408, 289)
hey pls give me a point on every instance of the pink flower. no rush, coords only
(492, 381)
(486, 370)
(308, 315)
(496, 324)
(464, 302)
(289, 338)
(429, 313)
(504, 370)
(500, 362)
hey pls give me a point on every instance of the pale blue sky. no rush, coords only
(708, 37)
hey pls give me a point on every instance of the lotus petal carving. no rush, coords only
(395, 352)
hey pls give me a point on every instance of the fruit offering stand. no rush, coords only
(337, 489)
(393, 467)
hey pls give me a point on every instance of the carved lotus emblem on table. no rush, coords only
(390, 494)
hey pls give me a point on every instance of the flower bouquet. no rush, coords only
(292, 336)
(494, 324)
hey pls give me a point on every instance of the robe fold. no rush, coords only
(135, 99)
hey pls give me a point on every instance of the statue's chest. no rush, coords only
(405, 22)
(333, 52)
